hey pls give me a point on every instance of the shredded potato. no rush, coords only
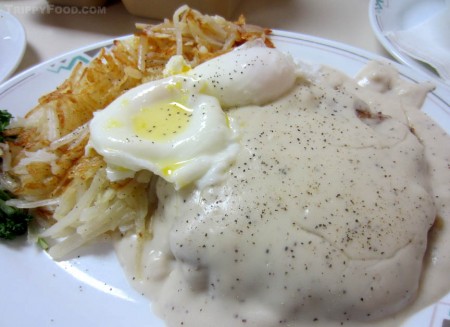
(46, 166)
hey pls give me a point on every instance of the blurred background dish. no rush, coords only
(12, 44)
(390, 19)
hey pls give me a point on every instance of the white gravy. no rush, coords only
(323, 219)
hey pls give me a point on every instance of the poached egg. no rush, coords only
(177, 128)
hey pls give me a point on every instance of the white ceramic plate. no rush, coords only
(396, 15)
(12, 44)
(91, 289)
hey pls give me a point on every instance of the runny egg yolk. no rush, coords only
(161, 121)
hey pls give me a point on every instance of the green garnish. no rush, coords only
(13, 221)
(5, 119)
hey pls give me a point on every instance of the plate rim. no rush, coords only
(442, 91)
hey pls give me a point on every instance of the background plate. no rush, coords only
(12, 44)
(397, 15)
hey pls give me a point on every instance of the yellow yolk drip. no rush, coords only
(161, 121)
(170, 168)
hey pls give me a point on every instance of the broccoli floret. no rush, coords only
(13, 221)
(5, 118)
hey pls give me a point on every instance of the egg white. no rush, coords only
(206, 135)
(248, 76)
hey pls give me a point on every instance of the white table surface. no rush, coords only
(51, 32)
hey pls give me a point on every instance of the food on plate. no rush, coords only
(241, 186)
(13, 221)
(46, 166)
(322, 218)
